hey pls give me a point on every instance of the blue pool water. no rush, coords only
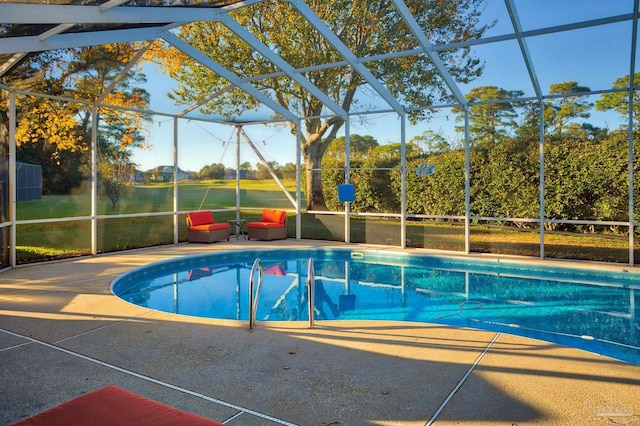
(597, 311)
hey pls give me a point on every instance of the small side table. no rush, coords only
(239, 227)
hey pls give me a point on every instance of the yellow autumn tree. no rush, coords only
(56, 133)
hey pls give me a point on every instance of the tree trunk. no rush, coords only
(315, 195)
(4, 123)
(313, 150)
(4, 133)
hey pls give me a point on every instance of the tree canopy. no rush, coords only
(489, 121)
(619, 101)
(366, 28)
(55, 133)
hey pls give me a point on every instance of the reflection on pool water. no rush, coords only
(597, 311)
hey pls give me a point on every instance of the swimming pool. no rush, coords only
(589, 309)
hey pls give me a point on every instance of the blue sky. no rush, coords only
(594, 57)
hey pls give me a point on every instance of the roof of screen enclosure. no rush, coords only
(30, 26)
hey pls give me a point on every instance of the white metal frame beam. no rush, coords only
(194, 53)
(427, 48)
(60, 28)
(17, 57)
(275, 59)
(204, 101)
(517, 26)
(67, 41)
(26, 13)
(346, 53)
(265, 163)
(124, 71)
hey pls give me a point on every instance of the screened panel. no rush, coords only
(435, 166)
(636, 246)
(116, 234)
(53, 155)
(598, 243)
(267, 154)
(496, 16)
(497, 237)
(504, 157)
(505, 179)
(259, 194)
(418, 68)
(576, 55)
(510, 74)
(327, 227)
(376, 230)
(52, 241)
(441, 193)
(5, 229)
(586, 166)
(332, 175)
(549, 13)
(376, 190)
(135, 171)
(435, 234)
(206, 155)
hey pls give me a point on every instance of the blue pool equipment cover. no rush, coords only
(346, 192)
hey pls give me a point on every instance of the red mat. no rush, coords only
(114, 406)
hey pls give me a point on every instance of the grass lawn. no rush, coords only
(209, 195)
(46, 241)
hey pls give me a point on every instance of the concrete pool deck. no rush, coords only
(62, 334)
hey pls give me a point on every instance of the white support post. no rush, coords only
(175, 180)
(467, 183)
(347, 178)
(632, 84)
(12, 178)
(95, 119)
(238, 129)
(631, 198)
(298, 180)
(541, 165)
(403, 183)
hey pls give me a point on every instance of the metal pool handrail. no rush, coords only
(253, 301)
(311, 280)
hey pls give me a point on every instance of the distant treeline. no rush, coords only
(585, 178)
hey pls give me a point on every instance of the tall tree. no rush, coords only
(116, 172)
(489, 121)
(561, 111)
(359, 146)
(29, 74)
(367, 28)
(288, 171)
(56, 134)
(262, 172)
(212, 171)
(619, 101)
(431, 142)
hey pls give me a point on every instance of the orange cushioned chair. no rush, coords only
(272, 226)
(203, 229)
